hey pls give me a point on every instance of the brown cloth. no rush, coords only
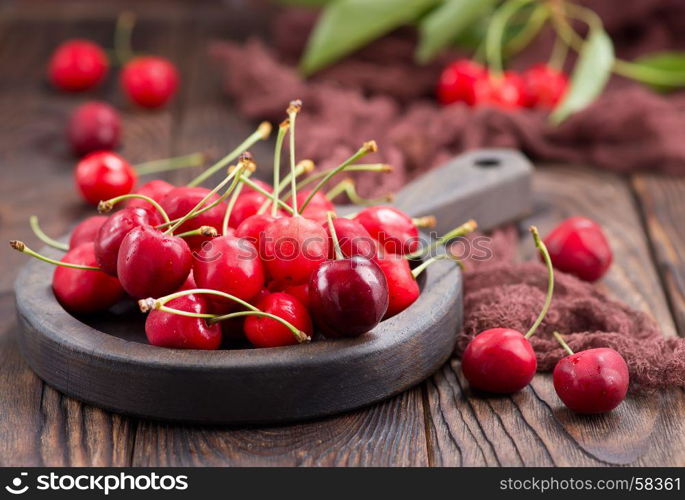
(380, 93)
(501, 294)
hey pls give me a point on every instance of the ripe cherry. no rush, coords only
(456, 83)
(103, 175)
(403, 289)
(591, 381)
(77, 65)
(267, 332)
(544, 86)
(112, 233)
(247, 205)
(578, 246)
(230, 265)
(156, 189)
(87, 230)
(317, 208)
(394, 230)
(353, 239)
(181, 200)
(151, 263)
(164, 329)
(94, 126)
(149, 81)
(506, 92)
(253, 228)
(501, 360)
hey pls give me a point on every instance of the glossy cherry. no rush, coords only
(77, 65)
(247, 205)
(267, 332)
(578, 246)
(506, 92)
(151, 263)
(87, 230)
(544, 86)
(149, 81)
(181, 200)
(112, 233)
(318, 207)
(103, 175)
(165, 329)
(353, 239)
(293, 248)
(93, 126)
(253, 228)
(456, 83)
(501, 360)
(394, 230)
(403, 289)
(592, 381)
(156, 189)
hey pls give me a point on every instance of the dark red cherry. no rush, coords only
(348, 297)
(592, 381)
(103, 175)
(87, 230)
(181, 200)
(230, 265)
(112, 233)
(499, 360)
(84, 291)
(267, 332)
(77, 65)
(544, 86)
(403, 289)
(293, 248)
(391, 227)
(151, 263)
(456, 83)
(94, 126)
(156, 189)
(149, 81)
(506, 92)
(165, 329)
(578, 246)
(353, 238)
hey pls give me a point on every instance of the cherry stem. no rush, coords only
(425, 221)
(122, 36)
(334, 236)
(261, 190)
(563, 343)
(463, 230)
(361, 167)
(493, 40)
(107, 205)
(304, 166)
(200, 231)
(367, 147)
(174, 163)
(149, 304)
(35, 227)
(550, 284)
(262, 132)
(231, 203)
(348, 187)
(424, 265)
(278, 150)
(293, 109)
(20, 246)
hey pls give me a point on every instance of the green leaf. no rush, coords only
(663, 71)
(444, 24)
(347, 25)
(306, 3)
(590, 75)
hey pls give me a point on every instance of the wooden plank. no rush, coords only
(533, 427)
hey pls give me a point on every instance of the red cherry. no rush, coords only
(506, 93)
(253, 228)
(293, 248)
(83, 291)
(247, 205)
(456, 83)
(230, 265)
(499, 360)
(112, 233)
(151, 263)
(77, 65)
(164, 329)
(94, 126)
(103, 175)
(353, 239)
(181, 200)
(578, 246)
(87, 230)
(156, 189)
(317, 208)
(403, 289)
(392, 228)
(544, 86)
(267, 332)
(149, 81)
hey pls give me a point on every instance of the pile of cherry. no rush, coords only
(540, 86)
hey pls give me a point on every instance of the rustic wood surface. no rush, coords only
(438, 423)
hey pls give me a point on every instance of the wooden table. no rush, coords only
(437, 423)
